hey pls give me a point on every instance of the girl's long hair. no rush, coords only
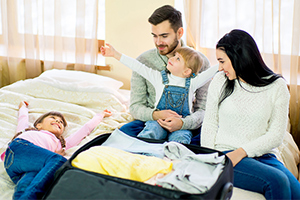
(246, 60)
(40, 120)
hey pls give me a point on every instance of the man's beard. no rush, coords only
(171, 49)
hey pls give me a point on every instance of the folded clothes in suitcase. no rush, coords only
(76, 181)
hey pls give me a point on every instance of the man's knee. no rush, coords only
(133, 128)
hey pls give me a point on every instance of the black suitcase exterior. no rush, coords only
(74, 183)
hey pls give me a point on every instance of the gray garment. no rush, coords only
(193, 173)
(120, 140)
(142, 97)
(176, 151)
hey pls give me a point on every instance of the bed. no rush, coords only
(79, 96)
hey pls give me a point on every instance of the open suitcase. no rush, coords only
(74, 183)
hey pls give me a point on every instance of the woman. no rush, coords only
(246, 118)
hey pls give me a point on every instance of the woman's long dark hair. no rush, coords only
(40, 120)
(246, 60)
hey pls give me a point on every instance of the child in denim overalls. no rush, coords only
(174, 87)
(34, 154)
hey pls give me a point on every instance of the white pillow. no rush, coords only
(81, 78)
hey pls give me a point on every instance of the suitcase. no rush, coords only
(74, 183)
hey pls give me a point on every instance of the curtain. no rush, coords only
(38, 35)
(274, 24)
(294, 74)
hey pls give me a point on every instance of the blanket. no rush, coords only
(77, 100)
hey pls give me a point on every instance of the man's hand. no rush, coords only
(164, 114)
(171, 123)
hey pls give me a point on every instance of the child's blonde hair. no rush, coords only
(192, 59)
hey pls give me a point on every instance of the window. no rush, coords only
(270, 22)
(178, 4)
(255, 17)
(43, 17)
(37, 22)
(0, 19)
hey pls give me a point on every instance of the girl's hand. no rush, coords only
(106, 113)
(61, 152)
(23, 103)
(109, 51)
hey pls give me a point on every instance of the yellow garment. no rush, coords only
(116, 162)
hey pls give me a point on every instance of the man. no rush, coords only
(167, 30)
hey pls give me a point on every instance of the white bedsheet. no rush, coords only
(77, 102)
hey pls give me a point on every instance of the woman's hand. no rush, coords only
(236, 156)
(23, 103)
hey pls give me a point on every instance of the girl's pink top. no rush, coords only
(48, 140)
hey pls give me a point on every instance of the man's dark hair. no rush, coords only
(166, 12)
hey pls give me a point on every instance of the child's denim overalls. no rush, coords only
(174, 98)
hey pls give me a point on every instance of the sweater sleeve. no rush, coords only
(139, 106)
(23, 122)
(153, 76)
(84, 131)
(195, 119)
(211, 119)
(142, 95)
(277, 124)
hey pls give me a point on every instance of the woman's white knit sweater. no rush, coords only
(254, 118)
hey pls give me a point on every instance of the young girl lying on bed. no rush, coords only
(34, 154)
(174, 87)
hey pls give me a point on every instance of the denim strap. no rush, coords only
(164, 74)
(187, 83)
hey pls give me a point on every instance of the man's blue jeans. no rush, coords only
(266, 175)
(31, 168)
(135, 127)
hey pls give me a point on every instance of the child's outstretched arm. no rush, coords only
(109, 51)
(151, 75)
(86, 129)
(23, 103)
(23, 116)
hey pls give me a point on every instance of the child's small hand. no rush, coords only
(106, 113)
(23, 103)
(61, 152)
(109, 51)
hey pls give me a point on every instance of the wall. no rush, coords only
(128, 30)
